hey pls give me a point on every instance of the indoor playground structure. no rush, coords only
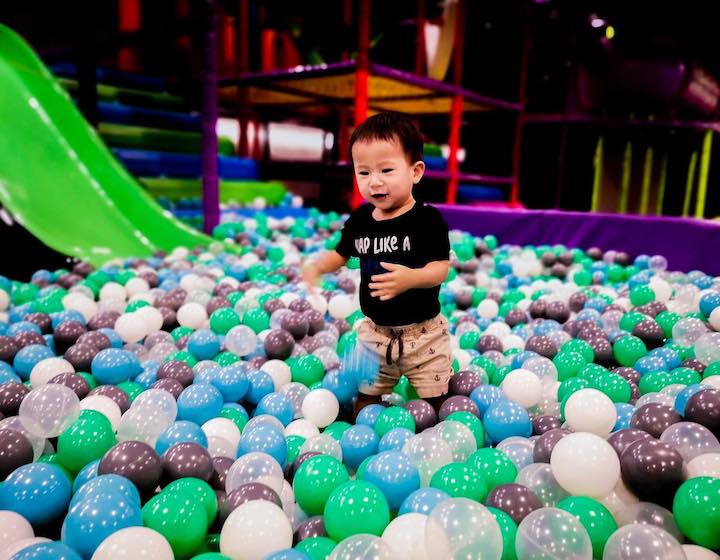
(170, 388)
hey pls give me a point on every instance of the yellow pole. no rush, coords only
(704, 172)
(647, 176)
(661, 186)
(626, 173)
(689, 184)
(597, 176)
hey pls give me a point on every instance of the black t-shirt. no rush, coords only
(413, 239)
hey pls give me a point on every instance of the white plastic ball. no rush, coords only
(585, 464)
(131, 327)
(255, 530)
(590, 410)
(192, 315)
(105, 406)
(279, 371)
(46, 369)
(523, 387)
(405, 535)
(112, 291)
(341, 306)
(488, 308)
(134, 543)
(224, 428)
(320, 407)
(81, 303)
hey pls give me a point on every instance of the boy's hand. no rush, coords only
(311, 275)
(388, 285)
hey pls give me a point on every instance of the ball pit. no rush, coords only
(198, 404)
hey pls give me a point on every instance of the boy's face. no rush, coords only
(383, 174)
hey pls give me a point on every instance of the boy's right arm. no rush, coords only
(330, 261)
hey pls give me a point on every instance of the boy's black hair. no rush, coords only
(388, 127)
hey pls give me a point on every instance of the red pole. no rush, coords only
(456, 109)
(362, 72)
(228, 42)
(129, 21)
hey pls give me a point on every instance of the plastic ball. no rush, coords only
(589, 410)
(459, 527)
(49, 409)
(552, 531)
(320, 407)
(585, 464)
(134, 543)
(39, 492)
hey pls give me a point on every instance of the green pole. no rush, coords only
(597, 176)
(661, 186)
(625, 184)
(704, 172)
(689, 184)
(647, 176)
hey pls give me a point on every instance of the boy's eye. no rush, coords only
(388, 170)
(364, 173)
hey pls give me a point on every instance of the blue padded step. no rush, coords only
(469, 193)
(115, 77)
(169, 164)
(140, 116)
(435, 162)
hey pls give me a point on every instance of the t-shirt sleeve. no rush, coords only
(437, 242)
(346, 247)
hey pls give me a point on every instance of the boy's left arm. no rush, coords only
(400, 278)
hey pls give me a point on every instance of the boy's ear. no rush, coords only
(418, 170)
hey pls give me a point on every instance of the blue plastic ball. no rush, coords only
(180, 432)
(199, 403)
(683, 396)
(105, 483)
(423, 501)
(394, 474)
(39, 492)
(358, 443)
(86, 474)
(505, 419)
(340, 384)
(203, 344)
(7, 373)
(265, 438)
(47, 551)
(395, 439)
(232, 382)
(624, 415)
(709, 302)
(28, 357)
(112, 366)
(484, 396)
(288, 554)
(261, 384)
(277, 405)
(369, 414)
(90, 521)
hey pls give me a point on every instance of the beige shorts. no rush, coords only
(420, 352)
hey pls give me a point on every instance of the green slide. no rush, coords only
(60, 181)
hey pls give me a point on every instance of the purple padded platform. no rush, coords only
(688, 244)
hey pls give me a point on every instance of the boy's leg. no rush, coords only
(436, 402)
(362, 401)
(429, 362)
(375, 340)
